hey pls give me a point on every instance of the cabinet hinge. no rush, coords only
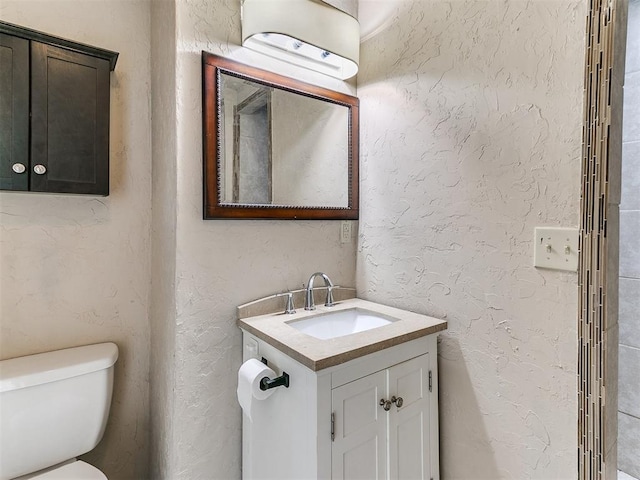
(430, 381)
(333, 426)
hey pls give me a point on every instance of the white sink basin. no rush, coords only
(338, 324)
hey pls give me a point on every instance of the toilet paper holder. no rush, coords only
(266, 383)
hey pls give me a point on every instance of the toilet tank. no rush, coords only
(53, 406)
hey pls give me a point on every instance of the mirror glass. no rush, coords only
(279, 148)
(283, 149)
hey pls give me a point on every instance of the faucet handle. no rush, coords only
(289, 308)
(329, 301)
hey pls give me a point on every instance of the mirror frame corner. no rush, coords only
(212, 66)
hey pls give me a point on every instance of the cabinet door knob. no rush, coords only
(398, 401)
(385, 404)
(18, 167)
(40, 169)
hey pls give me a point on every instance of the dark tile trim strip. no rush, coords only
(605, 27)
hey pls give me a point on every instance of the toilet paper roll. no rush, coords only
(249, 376)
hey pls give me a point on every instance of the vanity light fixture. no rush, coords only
(309, 33)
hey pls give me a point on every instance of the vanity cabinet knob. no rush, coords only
(18, 168)
(386, 404)
(40, 169)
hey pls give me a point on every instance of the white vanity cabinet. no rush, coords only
(330, 424)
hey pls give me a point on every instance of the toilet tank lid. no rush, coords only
(48, 367)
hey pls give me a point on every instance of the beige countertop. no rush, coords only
(318, 354)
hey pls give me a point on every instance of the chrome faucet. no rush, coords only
(308, 299)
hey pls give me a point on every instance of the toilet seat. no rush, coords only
(74, 470)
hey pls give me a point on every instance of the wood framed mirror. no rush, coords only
(275, 147)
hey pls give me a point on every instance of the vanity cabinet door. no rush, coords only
(70, 121)
(14, 113)
(372, 443)
(360, 428)
(409, 449)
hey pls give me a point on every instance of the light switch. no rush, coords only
(556, 248)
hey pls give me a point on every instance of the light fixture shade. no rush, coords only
(308, 33)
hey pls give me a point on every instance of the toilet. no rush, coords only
(54, 407)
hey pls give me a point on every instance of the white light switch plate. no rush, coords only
(556, 248)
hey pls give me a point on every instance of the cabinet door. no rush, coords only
(359, 448)
(70, 121)
(409, 457)
(14, 113)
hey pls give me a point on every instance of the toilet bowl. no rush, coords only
(71, 470)
(54, 407)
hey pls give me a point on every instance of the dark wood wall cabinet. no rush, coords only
(54, 113)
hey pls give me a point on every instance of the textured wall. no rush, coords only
(163, 265)
(75, 270)
(470, 136)
(221, 263)
(629, 315)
